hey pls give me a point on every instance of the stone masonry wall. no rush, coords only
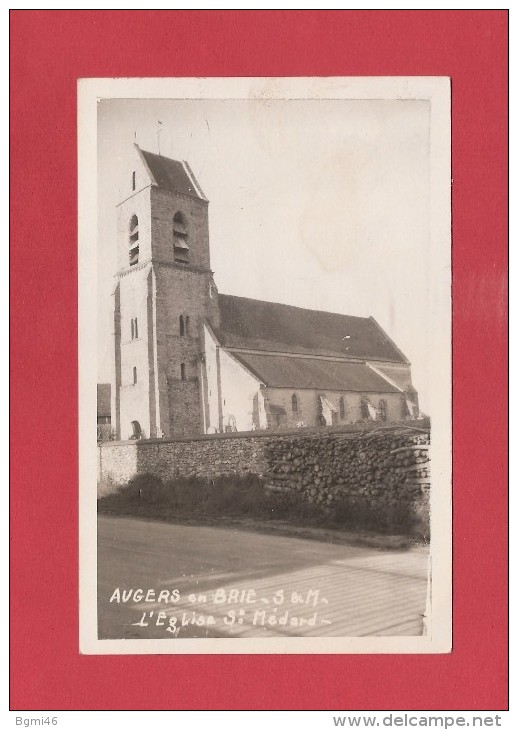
(203, 458)
(116, 464)
(385, 466)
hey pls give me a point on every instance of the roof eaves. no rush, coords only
(396, 348)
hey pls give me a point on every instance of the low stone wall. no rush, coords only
(116, 464)
(208, 456)
(202, 458)
(387, 466)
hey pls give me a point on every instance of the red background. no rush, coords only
(50, 50)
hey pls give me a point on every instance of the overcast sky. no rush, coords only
(317, 203)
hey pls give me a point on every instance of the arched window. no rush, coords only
(133, 241)
(132, 329)
(342, 408)
(364, 408)
(294, 405)
(180, 244)
(136, 329)
(182, 371)
(137, 430)
(182, 326)
(187, 324)
(382, 407)
(133, 181)
(134, 376)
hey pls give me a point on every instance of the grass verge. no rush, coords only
(243, 500)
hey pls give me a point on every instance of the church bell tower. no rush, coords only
(164, 291)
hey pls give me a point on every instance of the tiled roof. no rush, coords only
(254, 325)
(278, 371)
(172, 174)
(103, 399)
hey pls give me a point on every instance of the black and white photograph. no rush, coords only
(265, 365)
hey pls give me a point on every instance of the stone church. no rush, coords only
(189, 360)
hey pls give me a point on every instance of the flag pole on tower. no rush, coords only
(158, 130)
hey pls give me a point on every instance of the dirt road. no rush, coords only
(159, 580)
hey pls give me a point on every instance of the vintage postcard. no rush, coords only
(265, 365)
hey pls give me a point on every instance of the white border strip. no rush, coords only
(435, 89)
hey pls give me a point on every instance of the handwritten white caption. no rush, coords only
(276, 609)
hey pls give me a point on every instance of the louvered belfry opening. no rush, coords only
(180, 236)
(133, 241)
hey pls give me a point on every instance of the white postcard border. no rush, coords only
(435, 89)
